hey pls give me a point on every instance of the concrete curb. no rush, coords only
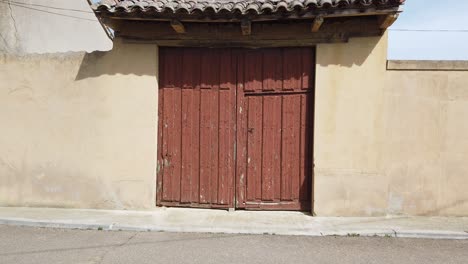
(254, 230)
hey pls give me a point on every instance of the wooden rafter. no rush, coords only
(388, 20)
(178, 26)
(246, 27)
(318, 21)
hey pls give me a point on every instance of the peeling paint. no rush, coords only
(158, 167)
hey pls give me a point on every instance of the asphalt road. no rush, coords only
(21, 245)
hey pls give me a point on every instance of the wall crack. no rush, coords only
(7, 46)
(14, 20)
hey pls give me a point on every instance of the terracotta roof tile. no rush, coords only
(233, 6)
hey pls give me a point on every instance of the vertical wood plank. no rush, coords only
(209, 117)
(286, 158)
(170, 68)
(176, 149)
(292, 70)
(254, 148)
(272, 70)
(214, 144)
(160, 139)
(168, 123)
(271, 164)
(306, 151)
(190, 80)
(309, 163)
(227, 123)
(190, 73)
(187, 145)
(228, 68)
(205, 145)
(241, 132)
(253, 65)
(210, 69)
(290, 158)
(308, 68)
(226, 146)
(195, 177)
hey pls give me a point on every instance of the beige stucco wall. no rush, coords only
(348, 124)
(388, 142)
(79, 129)
(425, 150)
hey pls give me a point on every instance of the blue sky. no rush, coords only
(431, 15)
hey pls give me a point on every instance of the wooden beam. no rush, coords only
(264, 34)
(388, 21)
(318, 21)
(177, 26)
(246, 27)
(237, 44)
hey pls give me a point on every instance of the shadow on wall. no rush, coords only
(124, 58)
(141, 59)
(353, 53)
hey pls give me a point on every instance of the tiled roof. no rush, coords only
(235, 6)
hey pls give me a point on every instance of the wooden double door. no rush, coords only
(236, 128)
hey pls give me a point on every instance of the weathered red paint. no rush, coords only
(235, 128)
(275, 134)
(196, 128)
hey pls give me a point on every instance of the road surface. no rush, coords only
(22, 245)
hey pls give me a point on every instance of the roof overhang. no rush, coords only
(324, 20)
